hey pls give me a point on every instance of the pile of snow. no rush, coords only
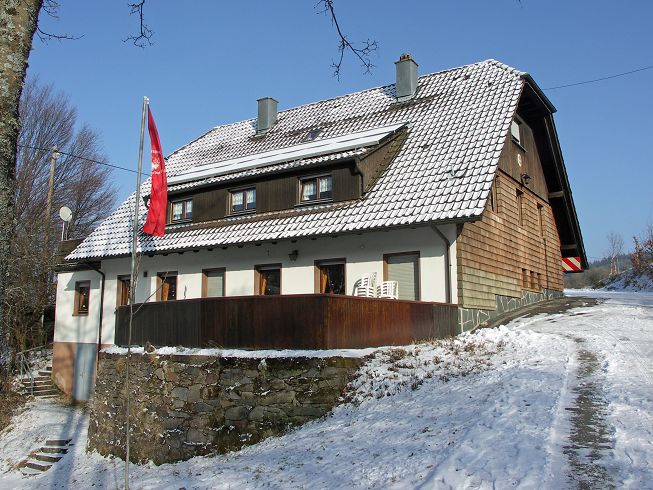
(630, 280)
(241, 353)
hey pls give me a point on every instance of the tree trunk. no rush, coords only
(18, 22)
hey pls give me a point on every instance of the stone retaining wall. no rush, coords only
(184, 406)
(470, 318)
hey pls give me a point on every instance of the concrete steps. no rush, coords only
(43, 458)
(43, 385)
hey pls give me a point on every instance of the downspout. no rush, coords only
(447, 263)
(99, 335)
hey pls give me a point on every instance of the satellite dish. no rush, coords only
(65, 214)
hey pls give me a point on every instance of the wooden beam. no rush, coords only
(557, 194)
(569, 246)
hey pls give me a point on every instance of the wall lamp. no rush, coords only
(293, 255)
(526, 179)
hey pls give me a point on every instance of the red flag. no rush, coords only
(155, 224)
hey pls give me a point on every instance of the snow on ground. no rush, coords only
(241, 353)
(553, 401)
(629, 280)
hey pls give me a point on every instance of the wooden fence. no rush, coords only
(311, 321)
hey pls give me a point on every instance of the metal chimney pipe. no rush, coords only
(267, 114)
(406, 77)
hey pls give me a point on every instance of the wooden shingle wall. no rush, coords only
(496, 252)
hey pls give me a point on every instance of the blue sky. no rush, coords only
(211, 60)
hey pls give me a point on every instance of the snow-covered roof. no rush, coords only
(323, 146)
(457, 125)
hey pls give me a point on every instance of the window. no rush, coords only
(330, 276)
(166, 286)
(243, 200)
(520, 207)
(181, 210)
(525, 278)
(403, 268)
(316, 189)
(515, 131)
(213, 283)
(312, 135)
(268, 279)
(540, 219)
(82, 292)
(124, 290)
(494, 203)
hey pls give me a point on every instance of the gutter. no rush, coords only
(447, 262)
(99, 336)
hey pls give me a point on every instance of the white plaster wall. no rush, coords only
(80, 328)
(363, 254)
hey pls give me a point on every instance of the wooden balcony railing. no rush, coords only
(311, 321)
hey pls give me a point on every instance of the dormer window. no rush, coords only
(515, 131)
(316, 189)
(243, 200)
(181, 211)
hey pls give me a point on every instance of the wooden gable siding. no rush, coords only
(492, 252)
(530, 161)
(209, 205)
(274, 193)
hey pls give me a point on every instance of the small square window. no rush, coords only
(243, 200)
(316, 189)
(330, 276)
(124, 290)
(167, 286)
(181, 211)
(82, 293)
(268, 279)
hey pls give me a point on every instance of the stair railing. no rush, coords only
(25, 365)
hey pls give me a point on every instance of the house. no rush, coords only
(452, 184)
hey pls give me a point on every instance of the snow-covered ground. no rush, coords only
(550, 401)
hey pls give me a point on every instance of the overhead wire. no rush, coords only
(48, 150)
(601, 79)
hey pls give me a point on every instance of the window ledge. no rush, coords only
(241, 213)
(518, 144)
(180, 222)
(313, 202)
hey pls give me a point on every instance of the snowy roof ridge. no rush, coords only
(458, 122)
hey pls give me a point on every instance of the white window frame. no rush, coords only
(316, 180)
(184, 212)
(243, 191)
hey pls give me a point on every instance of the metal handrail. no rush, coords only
(25, 366)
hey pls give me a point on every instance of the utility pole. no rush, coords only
(48, 218)
(48, 204)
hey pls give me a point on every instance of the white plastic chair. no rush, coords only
(365, 292)
(366, 286)
(389, 290)
(368, 280)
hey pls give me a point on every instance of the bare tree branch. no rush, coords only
(363, 52)
(51, 7)
(144, 36)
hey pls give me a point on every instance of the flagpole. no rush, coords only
(132, 289)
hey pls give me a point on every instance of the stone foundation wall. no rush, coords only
(184, 406)
(470, 318)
